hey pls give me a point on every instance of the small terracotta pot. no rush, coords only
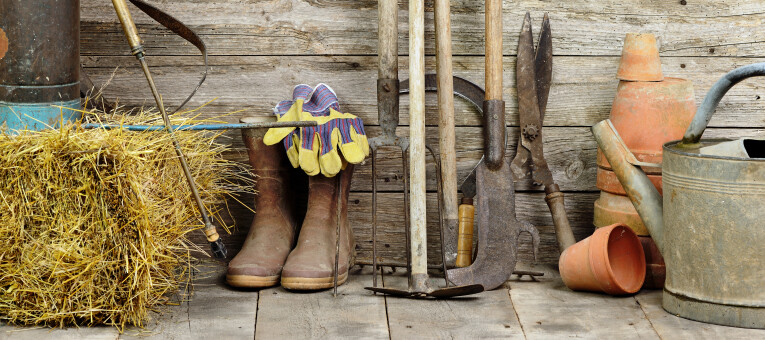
(649, 114)
(655, 269)
(611, 209)
(608, 182)
(610, 261)
(640, 58)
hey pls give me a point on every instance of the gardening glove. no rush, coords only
(315, 149)
(337, 133)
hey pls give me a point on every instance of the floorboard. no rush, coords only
(354, 314)
(672, 327)
(549, 310)
(485, 315)
(172, 323)
(40, 333)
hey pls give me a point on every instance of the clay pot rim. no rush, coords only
(600, 247)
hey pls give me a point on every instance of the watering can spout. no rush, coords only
(641, 191)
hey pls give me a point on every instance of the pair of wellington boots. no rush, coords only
(276, 250)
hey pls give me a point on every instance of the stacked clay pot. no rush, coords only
(648, 111)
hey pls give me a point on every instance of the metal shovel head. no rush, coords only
(441, 293)
(498, 230)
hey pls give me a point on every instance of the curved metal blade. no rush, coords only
(449, 292)
(498, 231)
(393, 291)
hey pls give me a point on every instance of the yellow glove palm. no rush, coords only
(315, 149)
(318, 151)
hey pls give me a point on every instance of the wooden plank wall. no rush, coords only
(260, 49)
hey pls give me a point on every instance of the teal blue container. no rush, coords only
(38, 116)
(39, 63)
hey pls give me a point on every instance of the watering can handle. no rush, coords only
(715, 94)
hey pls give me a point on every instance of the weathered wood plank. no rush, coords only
(289, 27)
(354, 314)
(488, 315)
(217, 311)
(581, 95)
(549, 310)
(673, 327)
(42, 333)
(171, 323)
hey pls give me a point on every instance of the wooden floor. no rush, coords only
(542, 309)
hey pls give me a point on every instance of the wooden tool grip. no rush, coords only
(557, 207)
(387, 43)
(493, 50)
(465, 234)
(446, 132)
(128, 25)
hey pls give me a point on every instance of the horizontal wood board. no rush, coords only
(260, 49)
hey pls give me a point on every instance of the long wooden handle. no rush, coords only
(446, 132)
(494, 50)
(128, 25)
(563, 232)
(417, 210)
(387, 43)
(465, 234)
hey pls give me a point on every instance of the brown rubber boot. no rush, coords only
(311, 264)
(272, 233)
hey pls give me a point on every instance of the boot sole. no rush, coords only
(312, 283)
(247, 281)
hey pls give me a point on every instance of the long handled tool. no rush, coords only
(387, 110)
(448, 154)
(388, 115)
(218, 248)
(498, 227)
(419, 285)
(534, 75)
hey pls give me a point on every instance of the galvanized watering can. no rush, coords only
(710, 226)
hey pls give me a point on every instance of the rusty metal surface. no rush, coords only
(494, 133)
(42, 43)
(529, 103)
(533, 79)
(498, 231)
(542, 78)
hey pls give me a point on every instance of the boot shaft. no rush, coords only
(323, 195)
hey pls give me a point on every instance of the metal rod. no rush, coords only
(441, 223)
(407, 225)
(374, 218)
(198, 127)
(131, 32)
(337, 233)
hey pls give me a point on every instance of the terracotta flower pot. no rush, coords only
(640, 58)
(610, 261)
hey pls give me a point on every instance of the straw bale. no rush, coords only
(93, 223)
